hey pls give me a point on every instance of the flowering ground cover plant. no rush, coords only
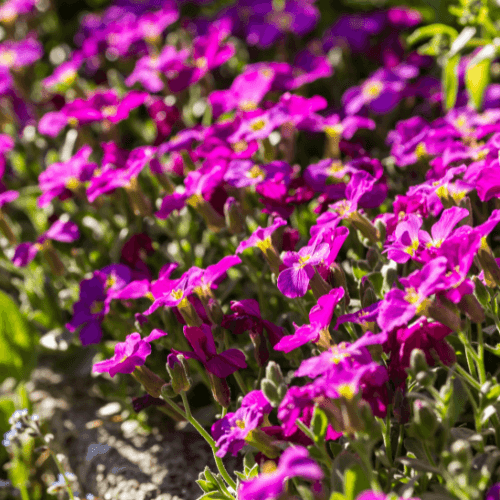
(232, 198)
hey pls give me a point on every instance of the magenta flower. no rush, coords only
(129, 354)
(65, 74)
(199, 184)
(246, 92)
(17, 54)
(65, 232)
(381, 92)
(230, 431)
(261, 237)
(244, 173)
(294, 281)
(320, 317)
(429, 337)
(294, 462)
(94, 301)
(101, 105)
(11, 9)
(59, 180)
(258, 124)
(406, 240)
(202, 341)
(400, 306)
(113, 178)
(493, 492)
(149, 69)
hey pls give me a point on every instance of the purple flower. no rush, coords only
(65, 74)
(8, 197)
(244, 173)
(294, 462)
(294, 281)
(261, 237)
(381, 92)
(104, 105)
(11, 9)
(17, 54)
(94, 301)
(59, 180)
(122, 177)
(66, 232)
(400, 306)
(320, 317)
(406, 240)
(246, 92)
(129, 354)
(493, 492)
(230, 431)
(202, 341)
(199, 185)
(149, 69)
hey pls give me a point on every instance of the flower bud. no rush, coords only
(188, 312)
(220, 390)
(274, 374)
(425, 421)
(461, 451)
(234, 216)
(263, 442)
(472, 308)
(6, 230)
(270, 392)
(178, 370)
(363, 224)
(319, 286)
(167, 391)
(444, 311)
(52, 257)
(151, 382)
(418, 362)
(368, 296)
(381, 228)
(261, 351)
(489, 265)
(339, 281)
(481, 292)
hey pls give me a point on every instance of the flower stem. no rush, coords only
(189, 417)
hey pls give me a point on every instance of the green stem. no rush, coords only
(24, 492)
(303, 427)
(469, 354)
(61, 470)
(387, 437)
(187, 414)
(480, 354)
(474, 383)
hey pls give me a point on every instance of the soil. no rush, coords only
(115, 459)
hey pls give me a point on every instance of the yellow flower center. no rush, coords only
(195, 200)
(68, 77)
(303, 260)
(421, 151)
(346, 391)
(109, 111)
(264, 244)
(373, 89)
(96, 307)
(111, 281)
(177, 294)
(240, 424)
(255, 172)
(410, 250)
(258, 124)
(334, 130)
(343, 207)
(7, 58)
(268, 467)
(443, 192)
(201, 62)
(247, 105)
(240, 146)
(72, 183)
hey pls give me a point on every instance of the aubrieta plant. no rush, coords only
(278, 207)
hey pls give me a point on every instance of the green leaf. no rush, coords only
(477, 78)
(450, 80)
(17, 342)
(215, 495)
(355, 481)
(337, 496)
(431, 31)
(319, 424)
